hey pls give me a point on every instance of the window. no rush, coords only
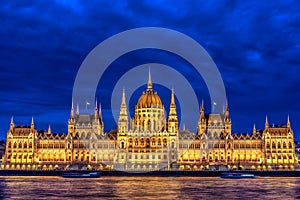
(172, 145)
(159, 142)
(273, 145)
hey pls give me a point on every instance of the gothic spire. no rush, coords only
(288, 122)
(12, 120)
(49, 129)
(172, 104)
(254, 129)
(149, 80)
(267, 122)
(173, 97)
(96, 110)
(72, 110)
(123, 98)
(227, 111)
(32, 123)
(202, 115)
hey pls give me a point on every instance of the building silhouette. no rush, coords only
(149, 141)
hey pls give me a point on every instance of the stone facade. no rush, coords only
(149, 141)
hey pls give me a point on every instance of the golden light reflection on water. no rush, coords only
(148, 188)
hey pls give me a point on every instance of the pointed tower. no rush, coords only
(202, 120)
(227, 120)
(123, 117)
(172, 118)
(288, 122)
(98, 123)
(71, 122)
(267, 123)
(32, 124)
(49, 130)
(149, 87)
(12, 124)
(96, 113)
(254, 130)
(72, 111)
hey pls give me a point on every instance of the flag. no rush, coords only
(87, 103)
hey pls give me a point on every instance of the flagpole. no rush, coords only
(86, 104)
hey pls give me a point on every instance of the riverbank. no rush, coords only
(151, 173)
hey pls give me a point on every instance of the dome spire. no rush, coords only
(149, 80)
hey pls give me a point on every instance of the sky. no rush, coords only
(255, 45)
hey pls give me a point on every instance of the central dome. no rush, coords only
(149, 98)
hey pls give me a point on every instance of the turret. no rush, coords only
(71, 122)
(227, 120)
(123, 117)
(149, 87)
(172, 118)
(267, 123)
(96, 113)
(72, 111)
(12, 125)
(202, 120)
(254, 130)
(49, 130)
(32, 123)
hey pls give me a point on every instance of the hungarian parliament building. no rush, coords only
(149, 141)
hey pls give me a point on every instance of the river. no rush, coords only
(47, 187)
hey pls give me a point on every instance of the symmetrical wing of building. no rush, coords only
(149, 141)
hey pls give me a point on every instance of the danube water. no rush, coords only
(15, 187)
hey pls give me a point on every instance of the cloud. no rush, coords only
(255, 44)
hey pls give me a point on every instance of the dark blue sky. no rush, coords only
(255, 44)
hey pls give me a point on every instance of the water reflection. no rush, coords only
(148, 188)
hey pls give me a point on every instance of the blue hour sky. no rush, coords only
(255, 44)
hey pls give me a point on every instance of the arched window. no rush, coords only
(30, 144)
(122, 145)
(153, 142)
(278, 145)
(20, 145)
(9, 145)
(273, 145)
(290, 145)
(142, 142)
(165, 142)
(268, 145)
(284, 145)
(25, 145)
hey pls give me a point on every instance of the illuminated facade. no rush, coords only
(149, 141)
